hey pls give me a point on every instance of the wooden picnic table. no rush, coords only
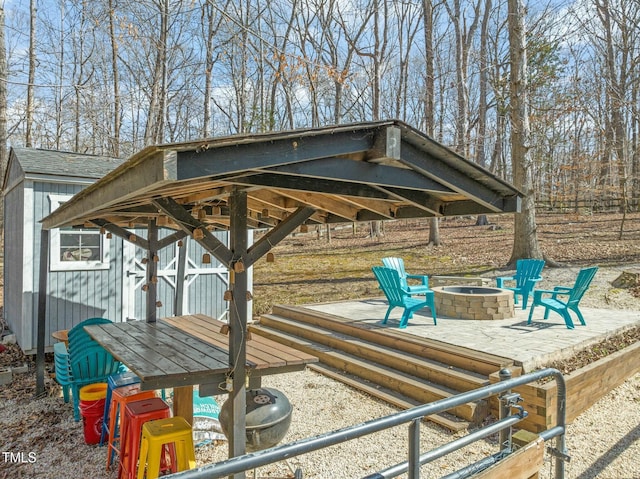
(182, 351)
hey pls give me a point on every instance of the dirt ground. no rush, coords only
(311, 268)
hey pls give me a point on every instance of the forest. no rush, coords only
(110, 77)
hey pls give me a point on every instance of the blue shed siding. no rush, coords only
(73, 296)
(205, 293)
(14, 261)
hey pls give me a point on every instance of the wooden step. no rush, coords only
(391, 397)
(423, 368)
(457, 356)
(418, 389)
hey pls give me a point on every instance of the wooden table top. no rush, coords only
(189, 350)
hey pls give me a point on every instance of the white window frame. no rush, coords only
(56, 264)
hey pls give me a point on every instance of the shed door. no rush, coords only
(204, 286)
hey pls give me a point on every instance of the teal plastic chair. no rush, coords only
(83, 352)
(574, 295)
(398, 265)
(398, 296)
(526, 276)
(92, 364)
(78, 337)
(62, 369)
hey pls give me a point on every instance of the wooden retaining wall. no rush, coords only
(585, 386)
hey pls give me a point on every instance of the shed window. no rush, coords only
(76, 249)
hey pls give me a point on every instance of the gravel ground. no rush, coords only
(41, 440)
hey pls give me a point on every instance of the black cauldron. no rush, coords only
(268, 418)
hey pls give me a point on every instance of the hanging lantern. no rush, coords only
(206, 258)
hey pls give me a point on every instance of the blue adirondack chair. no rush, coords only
(527, 275)
(92, 364)
(574, 295)
(398, 265)
(397, 295)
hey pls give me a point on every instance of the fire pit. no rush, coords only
(473, 302)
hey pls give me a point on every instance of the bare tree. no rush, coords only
(429, 98)
(117, 101)
(525, 241)
(32, 74)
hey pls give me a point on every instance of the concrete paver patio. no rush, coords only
(529, 346)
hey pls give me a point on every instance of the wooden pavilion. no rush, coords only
(360, 172)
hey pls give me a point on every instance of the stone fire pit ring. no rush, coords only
(473, 302)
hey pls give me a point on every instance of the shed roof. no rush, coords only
(64, 163)
(366, 171)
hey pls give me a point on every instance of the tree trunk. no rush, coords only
(115, 143)
(3, 112)
(525, 241)
(429, 99)
(28, 140)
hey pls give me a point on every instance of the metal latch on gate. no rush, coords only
(559, 454)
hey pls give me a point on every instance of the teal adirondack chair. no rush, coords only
(527, 275)
(398, 296)
(398, 265)
(92, 364)
(574, 294)
(78, 337)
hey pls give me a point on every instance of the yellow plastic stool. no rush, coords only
(159, 434)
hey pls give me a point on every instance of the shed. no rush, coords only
(89, 274)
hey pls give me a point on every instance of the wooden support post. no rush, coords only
(152, 272)
(42, 310)
(183, 403)
(180, 278)
(238, 326)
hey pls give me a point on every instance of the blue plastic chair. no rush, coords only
(398, 265)
(526, 276)
(398, 296)
(574, 294)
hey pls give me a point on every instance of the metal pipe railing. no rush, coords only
(257, 459)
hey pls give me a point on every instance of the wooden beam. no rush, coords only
(122, 233)
(144, 172)
(219, 158)
(277, 234)
(360, 173)
(189, 224)
(458, 181)
(324, 202)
